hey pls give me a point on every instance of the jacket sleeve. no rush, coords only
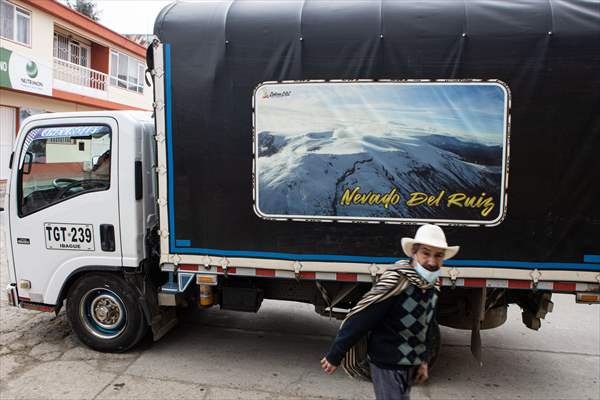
(356, 327)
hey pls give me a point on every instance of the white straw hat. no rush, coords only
(431, 235)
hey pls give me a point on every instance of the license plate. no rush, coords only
(69, 236)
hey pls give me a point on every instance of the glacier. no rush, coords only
(305, 174)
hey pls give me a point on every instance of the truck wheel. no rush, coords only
(104, 312)
(436, 343)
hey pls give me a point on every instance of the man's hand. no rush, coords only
(328, 367)
(422, 373)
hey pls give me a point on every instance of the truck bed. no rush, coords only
(216, 56)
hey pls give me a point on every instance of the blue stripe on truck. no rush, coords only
(170, 200)
(588, 258)
(523, 264)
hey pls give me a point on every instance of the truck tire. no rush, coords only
(103, 310)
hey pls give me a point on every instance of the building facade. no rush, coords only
(53, 59)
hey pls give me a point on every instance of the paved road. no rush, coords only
(275, 355)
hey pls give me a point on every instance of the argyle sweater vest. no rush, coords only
(415, 311)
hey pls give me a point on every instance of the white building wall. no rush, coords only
(8, 120)
(67, 152)
(16, 99)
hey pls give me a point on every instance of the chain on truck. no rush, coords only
(289, 152)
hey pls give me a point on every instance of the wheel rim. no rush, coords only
(103, 313)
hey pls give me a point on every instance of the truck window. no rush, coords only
(58, 163)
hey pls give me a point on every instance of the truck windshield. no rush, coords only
(58, 163)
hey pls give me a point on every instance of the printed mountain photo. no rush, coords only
(377, 151)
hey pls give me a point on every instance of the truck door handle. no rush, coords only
(139, 178)
(107, 237)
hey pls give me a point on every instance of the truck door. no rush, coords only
(63, 203)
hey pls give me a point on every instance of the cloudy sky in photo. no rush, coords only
(471, 112)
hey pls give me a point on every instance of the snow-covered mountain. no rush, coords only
(307, 174)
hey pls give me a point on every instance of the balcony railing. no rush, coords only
(78, 75)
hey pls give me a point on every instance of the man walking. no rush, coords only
(392, 322)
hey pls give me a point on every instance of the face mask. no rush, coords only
(429, 276)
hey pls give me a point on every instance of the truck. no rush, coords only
(294, 143)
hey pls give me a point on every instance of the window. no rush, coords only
(70, 50)
(122, 74)
(61, 47)
(114, 67)
(126, 72)
(15, 23)
(133, 74)
(62, 162)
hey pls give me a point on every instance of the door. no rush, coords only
(64, 206)
(7, 137)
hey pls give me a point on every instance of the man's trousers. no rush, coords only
(392, 384)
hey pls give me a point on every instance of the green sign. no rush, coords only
(4, 59)
(23, 73)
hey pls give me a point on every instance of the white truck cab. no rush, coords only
(80, 199)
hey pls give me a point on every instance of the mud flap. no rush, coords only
(163, 322)
(478, 297)
(160, 319)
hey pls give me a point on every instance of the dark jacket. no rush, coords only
(399, 330)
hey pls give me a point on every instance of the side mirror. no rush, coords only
(27, 160)
(95, 160)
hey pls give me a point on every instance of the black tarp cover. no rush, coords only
(547, 52)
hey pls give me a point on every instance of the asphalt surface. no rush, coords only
(275, 354)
